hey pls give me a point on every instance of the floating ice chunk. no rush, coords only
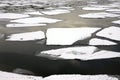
(96, 41)
(34, 13)
(116, 22)
(13, 76)
(12, 15)
(26, 36)
(24, 25)
(71, 52)
(114, 10)
(55, 12)
(35, 20)
(98, 15)
(67, 36)
(110, 32)
(103, 54)
(67, 8)
(80, 77)
(94, 8)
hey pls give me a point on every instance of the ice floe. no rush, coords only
(116, 22)
(13, 76)
(97, 41)
(67, 36)
(113, 10)
(26, 36)
(12, 15)
(24, 25)
(110, 32)
(55, 12)
(104, 54)
(98, 15)
(80, 77)
(71, 52)
(33, 13)
(35, 20)
(94, 8)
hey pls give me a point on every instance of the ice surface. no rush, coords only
(110, 32)
(34, 13)
(35, 20)
(67, 36)
(71, 52)
(26, 36)
(12, 15)
(97, 41)
(94, 8)
(24, 25)
(116, 22)
(113, 10)
(98, 15)
(13, 76)
(56, 11)
(80, 77)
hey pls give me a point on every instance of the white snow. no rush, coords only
(110, 32)
(80, 77)
(34, 13)
(24, 25)
(114, 10)
(12, 15)
(94, 8)
(26, 36)
(13, 76)
(98, 15)
(55, 12)
(97, 41)
(104, 54)
(35, 20)
(71, 52)
(67, 36)
(116, 22)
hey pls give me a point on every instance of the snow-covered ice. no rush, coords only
(12, 15)
(26, 36)
(104, 54)
(94, 8)
(110, 32)
(55, 12)
(34, 13)
(70, 52)
(35, 20)
(116, 22)
(67, 36)
(24, 25)
(80, 77)
(13, 76)
(97, 41)
(98, 15)
(113, 10)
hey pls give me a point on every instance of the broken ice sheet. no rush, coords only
(94, 8)
(80, 77)
(97, 41)
(116, 22)
(70, 52)
(67, 36)
(55, 12)
(24, 25)
(26, 36)
(12, 76)
(35, 20)
(110, 32)
(103, 54)
(98, 15)
(12, 15)
(33, 13)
